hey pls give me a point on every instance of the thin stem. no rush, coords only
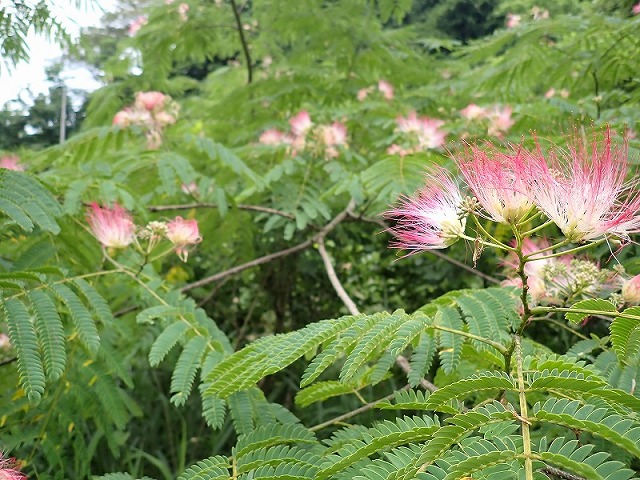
(524, 422)
(485, 243)
(564, 252)
(243, 39)
(546, 249)
(465, 267)
(528, 233)
(498, 346)
(613, 313)
(273, 256)
(240, 206)
(561, 325)
(353, 413)
(497, 243)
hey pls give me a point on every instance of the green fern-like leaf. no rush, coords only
(23, 337)
(169, 337)
(321, 391)
(27, 202)
(450, 343)
(214, 411)
(406, 400)
(81, 317)
(625, 335)
(212, 468)
(96, 301)
(50, 333)
(241, 410)
(594, 304)
(469, 387)
(184, 374)
(422, 358)
(271, 435)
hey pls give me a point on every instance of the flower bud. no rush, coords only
(631, 290)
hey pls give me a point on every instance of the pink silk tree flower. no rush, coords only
(181, 233)
(113, 227)
(11, 162)
(583, 190)
(498, 181)
(636, 9)
(272, 136)
(631, 290)
(473, 112)
(9, 469)
(150, 100)
(300, 123)
(500, 120)
(386, 89)
(122, 119)
(431, 218)
(137, 24)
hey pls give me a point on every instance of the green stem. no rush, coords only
(528, 233)
(485, 243)
(496, 243)
(498, 346)
(614, 313)
(564, 252)
(524, 421)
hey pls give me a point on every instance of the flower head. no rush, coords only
(113, 227)
(636, 9)
(181, 233)
(583, 190)
(10, 469)
(122, 118)
(500, 120)
(11, 162)
(272, 136)
(5, 341)
(386, 89)
(431, 219)
(150, 101)
(300, 123)
(427, 130)
(631, 290)
(498, 181)
(513, 20)
(137, 24)
(473, 112)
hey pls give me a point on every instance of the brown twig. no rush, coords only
(188, 206)
(273, 256)
(556, 472)
(243, 39)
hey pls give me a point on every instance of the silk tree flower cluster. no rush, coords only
(152, 112)
(322, 140)
(114, 228)
(497, 118)
(10, 469)
(567, 278)
(581, 189)
(417, 134)
(11, 162)
(383, 87)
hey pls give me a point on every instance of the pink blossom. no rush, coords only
(513, 20)
(10, 469)
(583, 190)
(333, 135)
(431, 219)
(113, 227)
(11, 162)
(386, 89)
(636, 9)
(500, 120)
(363, 93)
(183, 8)
(631, 290)
(300, 123)
(398, 150)
(427, 130)
(181, 233)
(539, 14)
(137, 24)
(5, 342)
(550, 93)
(163, 119)
(150, 100)
(272, 136)
(190, 188)
(498, 181)
(473, 112)
(121, 119)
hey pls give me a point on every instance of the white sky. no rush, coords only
(30, 76)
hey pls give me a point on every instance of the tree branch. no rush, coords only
(188, 206)
(556, 472)
(243, 39)
(273, 256)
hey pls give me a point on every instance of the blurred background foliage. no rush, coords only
(238, 69)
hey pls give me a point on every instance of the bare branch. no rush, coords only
(188, 206)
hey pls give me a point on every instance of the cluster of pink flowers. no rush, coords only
(384, 87)
(11, 162)
(137, 24)
(183, 8)
(419, 133)
(581, 189)
(636, 9)
(323, 139)
(537, 13)
(498, 118)
(560, 279)
(114, 228)
(151, 111)
(10, 469)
